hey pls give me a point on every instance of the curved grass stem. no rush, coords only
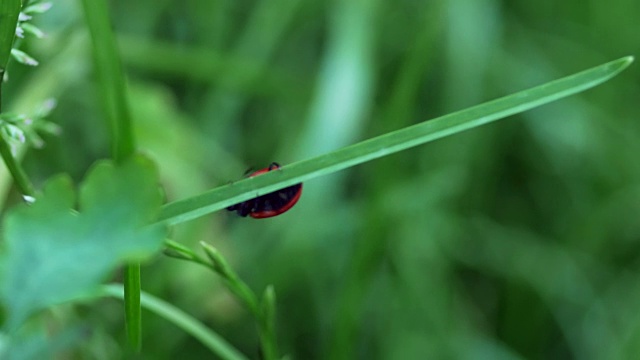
(263, 311)
(206, 336)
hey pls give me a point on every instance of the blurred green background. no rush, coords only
(515, 240)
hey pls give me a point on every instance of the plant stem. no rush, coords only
(132, 305)
(210, 339)
(264, 312)
(232, 280)
(111, 78)
(229, 277)
(19, 176)
(267, 325)
(113, 93)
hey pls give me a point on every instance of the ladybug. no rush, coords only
(271, 204)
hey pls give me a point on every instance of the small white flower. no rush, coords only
(24, 17)
(28, 199)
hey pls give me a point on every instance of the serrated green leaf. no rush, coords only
(54, 253)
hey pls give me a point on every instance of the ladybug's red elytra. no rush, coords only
(271, 204)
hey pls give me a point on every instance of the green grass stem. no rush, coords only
(111, 82)
(186, 322)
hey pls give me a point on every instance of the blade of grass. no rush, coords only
(223, 196)
(132, 305)
(267, 324)
(9, 11)
(111, 83)
(207, 337)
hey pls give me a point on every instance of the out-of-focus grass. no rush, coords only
(515, 240)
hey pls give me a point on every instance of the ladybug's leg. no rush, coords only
(274, 165)
(249, 171)
(245, 208)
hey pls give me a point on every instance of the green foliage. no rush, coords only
(192, 326)
(35, 343)
(111, 82)
(390, 143)
(20, 128)
(9, 11)
(54, 253)
(111, 78)
(515, 240)
(263, 312)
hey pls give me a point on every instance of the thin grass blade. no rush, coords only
(221, 197)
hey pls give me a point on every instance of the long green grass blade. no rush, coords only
(221, 197)
(207, 337)
(9, 10)
(111, 80)
(111, 83)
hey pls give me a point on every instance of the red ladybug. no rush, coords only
(271, 204)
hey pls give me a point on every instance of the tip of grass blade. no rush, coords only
(613, 68)
(621, 64)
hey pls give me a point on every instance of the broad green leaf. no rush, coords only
(36, 343)
(221, 197)
(9, 11)
(54, 253)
